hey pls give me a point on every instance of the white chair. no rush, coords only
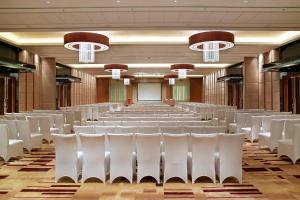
(202, 160)
(148, 156)
(84, 129)
(112, 123)
(9, 148)
(12, 128)
(59, 122)
(70, 118)
(121, 156)
(175, 156)
(131, 123)
(171, 129)
(95, 161)
(270, 139)
(168, 123)
(45, 129)
(148, 129)
(34, 124)
(126, 129)
(67, 159)
(229, 159)
(291, 147)
(30, 139)
(289, 128)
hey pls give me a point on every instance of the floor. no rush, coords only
(264, 177)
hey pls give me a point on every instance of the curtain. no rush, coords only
(117, 91)
(181, 90)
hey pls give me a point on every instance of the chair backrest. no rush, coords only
(148, 129)
(296, 138)
(44, 122)
(65, 148)
(289, 128)
(24, 130)
(59, 120)
(92, 146)
(148, 146)
(105, 129)
(33, 124)
(4, 140)
(230, 149)
(112, 123)
(149, 123)
(131, 123)
(171, 129)
(194, 129)
(121, 145)
(204, 143)
(214, 129)
(276, 128)
(12, 128)
(175, 147)
(167, 123)
(70, 117)
(126, 129)
(78, 115)
(84, 129)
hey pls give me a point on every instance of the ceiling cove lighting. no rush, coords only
(151, 65)
(127, 79)
(115, 70)
(211, 43)
(182, 69)
(171, 78)
(87, 44)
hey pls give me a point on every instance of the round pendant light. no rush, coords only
(87, 44)
(127, 79)
(116, 69)
(211, 43)
(171, 78)
(182, 69)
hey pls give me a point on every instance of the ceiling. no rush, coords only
(149, 32)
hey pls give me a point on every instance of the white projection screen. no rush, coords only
(149, 92)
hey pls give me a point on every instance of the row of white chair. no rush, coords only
(211, 155)
(149, 123)
(283, 134)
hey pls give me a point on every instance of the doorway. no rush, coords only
(8, 94)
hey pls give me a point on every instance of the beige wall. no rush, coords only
(215, 92)
(84, 92)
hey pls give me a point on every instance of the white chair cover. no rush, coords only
(67, 159)
(9, 148)
(148, 156)
(291, 147)
(121, 156)
(175, 156)
(30, 139)
(94, 163)
(229, 160)
(203, 156)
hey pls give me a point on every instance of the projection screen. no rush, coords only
(149, 92)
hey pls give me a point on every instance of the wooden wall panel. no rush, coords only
(84, 92)
(102, 90)
(215, 92)
(196, 86)
(251, 83)
(48, 83)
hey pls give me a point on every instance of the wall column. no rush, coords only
(251, 83)
(48, 84)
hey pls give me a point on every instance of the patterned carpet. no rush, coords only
(264, 177)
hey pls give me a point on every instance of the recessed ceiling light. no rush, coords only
(48, 2)
(175, 1)
(246, 1)
(118, 1)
